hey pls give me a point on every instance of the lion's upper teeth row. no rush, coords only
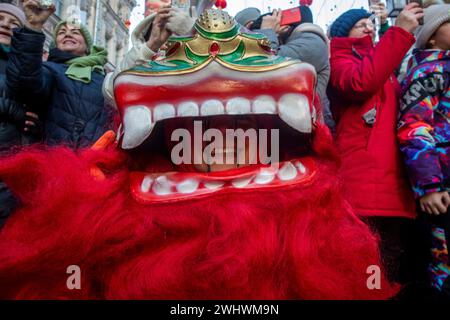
(293, 109)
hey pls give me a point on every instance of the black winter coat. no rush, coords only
(12, 114)
(12, 121)
(76, 112)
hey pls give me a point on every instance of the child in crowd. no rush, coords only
(424, 134)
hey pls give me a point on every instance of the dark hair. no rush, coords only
(307, 15)
(257, 23)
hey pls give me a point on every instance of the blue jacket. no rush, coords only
(76, 112)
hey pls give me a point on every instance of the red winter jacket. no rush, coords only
(365, 100)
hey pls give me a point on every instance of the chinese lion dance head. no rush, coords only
(140, 225)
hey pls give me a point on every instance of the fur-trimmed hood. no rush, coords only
(138, 34)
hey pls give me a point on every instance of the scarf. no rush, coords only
(81, 68)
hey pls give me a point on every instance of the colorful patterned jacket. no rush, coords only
(424, 124)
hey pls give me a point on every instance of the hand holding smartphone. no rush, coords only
(291, 16)
(420, 2)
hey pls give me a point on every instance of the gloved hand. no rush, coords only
(180, 23)
(108, 139)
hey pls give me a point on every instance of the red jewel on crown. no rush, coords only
(214, 49)
(221, 4)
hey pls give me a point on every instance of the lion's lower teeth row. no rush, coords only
(163, 186)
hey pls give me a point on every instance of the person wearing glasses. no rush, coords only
(364, 96)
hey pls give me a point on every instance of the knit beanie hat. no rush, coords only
(84, 31)
(346, 21)
(13, 10)
(435, 16)
(307, 16)
(247, 15)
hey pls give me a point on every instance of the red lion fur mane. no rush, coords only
(301, 242)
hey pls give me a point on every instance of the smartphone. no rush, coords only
(291, 16)
(394, 7)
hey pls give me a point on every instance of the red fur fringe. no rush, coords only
(297, 243)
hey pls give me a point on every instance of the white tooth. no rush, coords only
(288, 172)
(264, 177)
(188, 186)
(212, 108)
(214, 185)
(294, 110)
(162, 186)
(264, 105)
(188, 109)
(163, 111)
(301, 167)
(146, 184)
(238, 106)
(137, 126)
(241, 183)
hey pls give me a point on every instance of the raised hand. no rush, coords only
(160, 34)
(381, 12)
(37, 15)
(409, 18)
(272, 21)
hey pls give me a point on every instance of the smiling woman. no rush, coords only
(69, 83)
(70, 38)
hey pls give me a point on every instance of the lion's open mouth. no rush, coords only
(154, 182)
(146, 100)
(218, 80)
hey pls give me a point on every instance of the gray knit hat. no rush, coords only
(245, 16)
(13, 10)
(435, 16)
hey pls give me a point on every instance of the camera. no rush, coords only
(394, 7)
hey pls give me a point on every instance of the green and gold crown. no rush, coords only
(218, 38)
